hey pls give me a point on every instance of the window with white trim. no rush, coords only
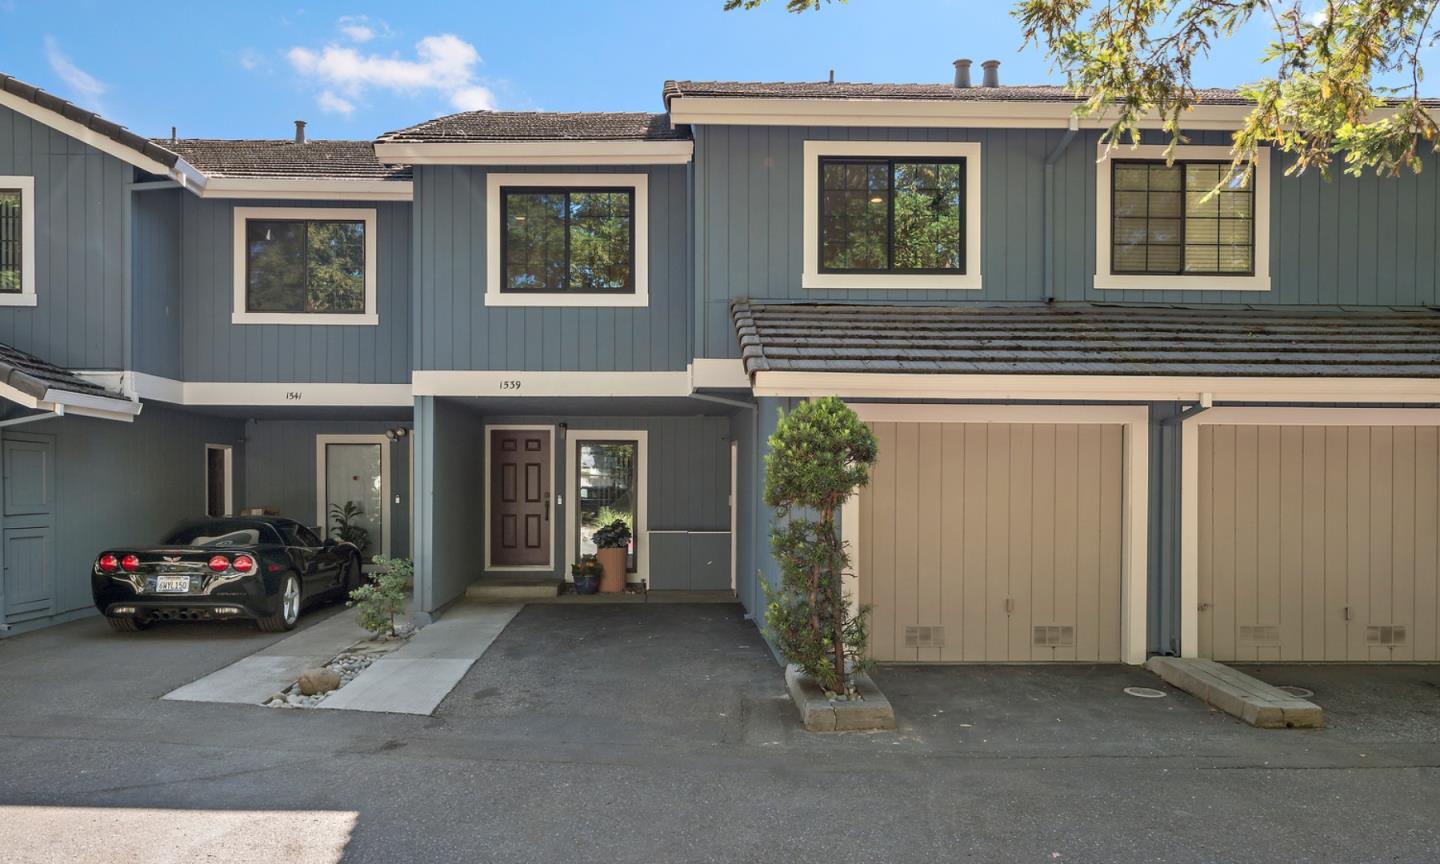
(567, 240)
(1163, 225)
(17, 241)
(297, 265)
(892, 214)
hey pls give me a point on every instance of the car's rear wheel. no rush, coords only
(288, 612)
(125, 625)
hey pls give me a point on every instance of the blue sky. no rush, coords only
(355, 69)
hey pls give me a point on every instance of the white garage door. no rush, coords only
(990, 542)
(1318, 542)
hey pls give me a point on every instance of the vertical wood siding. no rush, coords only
(1368, 241)
(156, 290)
(217, 350)
(454, 329)
(1299, 524)
(961, 518)
(79, 247)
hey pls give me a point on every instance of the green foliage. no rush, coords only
(588, 565)
(1319, 100)
(344, 527)
(380, 599)
(613, 535)
(820, 454)
(610, 515)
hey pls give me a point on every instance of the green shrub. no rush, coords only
(382, 597)
(820, 454)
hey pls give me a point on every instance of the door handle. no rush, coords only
(547, 506)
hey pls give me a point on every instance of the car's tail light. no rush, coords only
(243, 563)
(219, 563)
(131, 562)
(108, 563)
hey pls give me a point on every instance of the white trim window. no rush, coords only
(370, 497)
(892, 214)
(1158, 228)
(305, 265)
(567, 240)
(17, 241)
(577, 471)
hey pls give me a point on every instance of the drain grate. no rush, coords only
(1145, 692)
(1297, 692)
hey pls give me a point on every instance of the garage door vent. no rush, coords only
(1054, 636)
(1260, 634)
(924, 636)
(1385, 634)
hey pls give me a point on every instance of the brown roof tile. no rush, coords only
(284, 159)
(481, 126)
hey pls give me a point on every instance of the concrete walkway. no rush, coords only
(255, 679)
(417, 678)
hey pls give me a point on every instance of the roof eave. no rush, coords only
(309, 189)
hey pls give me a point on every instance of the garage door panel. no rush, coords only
(1426, 535)
(1344, 563)
(1012, 531)
(1021, 540)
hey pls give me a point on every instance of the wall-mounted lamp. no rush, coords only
(397, 433)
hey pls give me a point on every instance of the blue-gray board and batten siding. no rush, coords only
(454, 329)
(1352, 241)
(81, 211)
(110, 483)
(688, 489)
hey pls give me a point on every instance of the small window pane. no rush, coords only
(1165, 178)
(1236, 259)
(600, 254)
(1131, 176)
(1163, 232)
(535, 241)
(1236, 203)
(1131, 203)
(301, 267)
(1163, 259)
(11, 265)
(1202, 259)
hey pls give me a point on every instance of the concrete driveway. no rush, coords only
(650, 733)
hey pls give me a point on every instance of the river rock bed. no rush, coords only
(347, 664)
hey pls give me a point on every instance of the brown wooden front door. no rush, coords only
(519, 497)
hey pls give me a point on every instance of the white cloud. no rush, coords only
(250, 60)
(333, 104)
(86, 88)
(443, 64)
(359, 28)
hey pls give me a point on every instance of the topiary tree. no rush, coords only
(820, 455)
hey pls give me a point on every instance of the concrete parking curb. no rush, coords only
(1238, 694)
(820, 713)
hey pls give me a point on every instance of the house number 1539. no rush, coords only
(510, 384)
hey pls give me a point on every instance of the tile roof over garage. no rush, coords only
(89, 119)
(1089, 339)
(477, 126)
(284, 159)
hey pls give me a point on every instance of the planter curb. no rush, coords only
(872, 711)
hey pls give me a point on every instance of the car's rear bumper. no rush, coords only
(243, 598)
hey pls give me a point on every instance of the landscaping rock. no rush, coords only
(314, 681)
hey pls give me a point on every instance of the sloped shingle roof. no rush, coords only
(1089, 339)
(480, 126)
(89, 119)
(284, 159)
(35, 377)
(933, 92)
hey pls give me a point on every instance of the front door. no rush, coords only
(27, 590)
(520, 498)
(354, 490)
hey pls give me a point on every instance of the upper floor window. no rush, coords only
(1159, 227)
(567, 239)
(571, 241)
(1166, 220)
(304, 266)
(17, 241)
(891, 214)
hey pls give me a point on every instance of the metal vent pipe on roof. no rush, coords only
(299, 131)
(992, 73)
(962, 74)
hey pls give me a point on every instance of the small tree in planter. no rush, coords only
(382, 597)
(820, 454)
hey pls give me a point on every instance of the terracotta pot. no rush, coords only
(612, 561)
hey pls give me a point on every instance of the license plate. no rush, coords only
(172, 584)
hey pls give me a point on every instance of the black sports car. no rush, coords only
(260, 567)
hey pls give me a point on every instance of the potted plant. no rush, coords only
(612, 544)
(586, 574)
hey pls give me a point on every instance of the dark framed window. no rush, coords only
(1165, 221)
(892, 215)
(305, 266)
(559, 240)
(12, 263)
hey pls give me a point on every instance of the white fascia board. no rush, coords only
(183, 172)
(310, 190)
(270, 393)
(538, 153)
(1120, 388)
(777, 111)
(711, 373)
(519, 384)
